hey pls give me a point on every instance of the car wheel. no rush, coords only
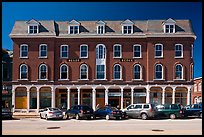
(144, 116)
(77, 117)
(107, 117)
(172, 116)
(41, 116)
(66, 116)
(46, 117)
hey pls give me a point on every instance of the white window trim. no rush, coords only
(97, 29)
(73, 31)
(33, 25)
(195, 88)
(61, 51)
(120, 72)
(100, 61)
(127, 26)
(141, 78)
(155, 72)
(162, 50)
(87, 50)
(40, 51)
(199, 87)
(26, 72)
(140, 51)
(174, 26)
(40, 72)
(181, 51)
(114, 50)
(21, 50)
(181, 72)
(87, 73)
(67, 72)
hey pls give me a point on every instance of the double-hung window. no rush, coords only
(64, 51)
(158, 71)
(117, 72)
(24, 51)
(101, 29)
(179, 71)
(158, 50)
(33, 29)
(127, 29)
(178, 51)
(137, 51)
(84, 51)
(100, 70)
(169, 28)
(73, 29)
(43, 51)
(23, 71)
(117, 51)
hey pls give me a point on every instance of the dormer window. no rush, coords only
(169, 26)
(127, 27)
(33, 29)
(100, 27)
(73, 27)
(33, 26)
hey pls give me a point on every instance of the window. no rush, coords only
(73, 29)
(33, 29)
(117, 71)
(195, 87)
(64, 51)
(100, 52)
(178, 71)
(24, 51)
(117, 51)
(100, 29)
(43, 50)
(192, 51)
(84, 51)
(158, 71)
(137, 51)
(137, 71)
(199, 87)
(158, 50)
(138, 106)
(64, 71)
(83, 71)
(100, 71)
(170, 29)
(127, 29)
(23, 71)
(43, 71)
(178, 50)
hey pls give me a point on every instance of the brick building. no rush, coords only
(197, 91)
(62, 63)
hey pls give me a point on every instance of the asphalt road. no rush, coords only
(37, 126)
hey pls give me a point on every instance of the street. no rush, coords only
(37, 126)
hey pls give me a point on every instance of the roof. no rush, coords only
(113, 28)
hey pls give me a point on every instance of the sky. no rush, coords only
(66, 11)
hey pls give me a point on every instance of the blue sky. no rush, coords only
(66, 11)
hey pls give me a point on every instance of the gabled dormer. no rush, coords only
(169, 26)
(73, 27)
(33, 26)
(127, 27)
(100, 27)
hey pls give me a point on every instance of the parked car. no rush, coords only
(144, 111)
(109, 112)
(51, 113)
(171, 111)
(6, 113)
(193, 110)
(80, 111)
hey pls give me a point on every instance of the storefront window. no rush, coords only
(181, 97)
(45, 99)
(33, 100)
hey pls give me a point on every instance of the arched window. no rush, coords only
(63, 71)
(43, 71)
(100, 62)
(158, 71)
(117, 71)
(23, 71)
(137, 71)
(83, 71)
(178, 71)
(100, 52)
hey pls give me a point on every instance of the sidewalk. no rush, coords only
(26, 115)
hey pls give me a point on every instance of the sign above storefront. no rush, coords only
(73, 60)
(127, 60)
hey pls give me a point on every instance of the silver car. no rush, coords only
(142, 110)
(51, 113)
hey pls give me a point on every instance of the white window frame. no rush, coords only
(114, 51)
(165, 26)
(26, 71)
(181, 51)
(21, 50)
(156, 50)
(86, 51)
(181, 72)
(33, 25)
(140, 51)
(40, 56)
(199, 87)
(140, 72)
(195, 87)
(123, 29)
(99, 30)
(120, 72)
(40, 71)
(61, 51)
(74, 27)
(61, 72)
(87, 71)
(162, 78)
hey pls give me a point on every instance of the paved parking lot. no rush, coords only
(33, 126)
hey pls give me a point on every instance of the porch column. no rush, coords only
(94, 99)
(28, 101)
(173, 95)
(132, 95)
(188, 96)
(68, 98)
(53, 98)
(147, 96)
(106, 96)
(163, 95)
(38, 99)
(121, 99)
(13, 100)
(78, 96)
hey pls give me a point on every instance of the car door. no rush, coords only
(130, 110)
(195, 110)
(137, 110)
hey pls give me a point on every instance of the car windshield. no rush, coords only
(53, 109)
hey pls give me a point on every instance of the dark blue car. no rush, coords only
(193, 110)
(108, 112)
